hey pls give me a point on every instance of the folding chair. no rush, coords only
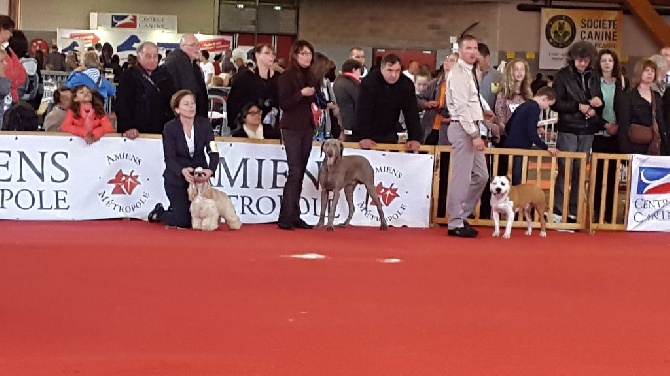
(218, 115)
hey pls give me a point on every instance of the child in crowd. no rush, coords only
(421, 80)
(522, 130)
(55, 117)
(86, 116)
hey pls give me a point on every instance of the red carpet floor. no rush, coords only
(132, 298)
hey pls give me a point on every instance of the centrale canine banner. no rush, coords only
(649, 206)
(59, 177)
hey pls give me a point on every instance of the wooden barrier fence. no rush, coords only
(538, 168)
(609, 194)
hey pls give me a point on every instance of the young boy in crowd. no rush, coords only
(522, 131)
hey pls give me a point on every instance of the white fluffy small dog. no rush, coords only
(507, 199)
(208, 205)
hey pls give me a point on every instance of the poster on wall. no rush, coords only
(560, 28)
(133, 21)
(649, 205)
(125, 42)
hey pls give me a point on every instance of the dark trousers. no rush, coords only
(609, 145)
(444, 185)
(179, 214)
(298, 145)
(517, 169)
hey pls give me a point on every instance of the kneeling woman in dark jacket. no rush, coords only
(187, 141)
(638, 133)
(249, 124)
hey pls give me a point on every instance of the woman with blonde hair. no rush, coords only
(514, 90)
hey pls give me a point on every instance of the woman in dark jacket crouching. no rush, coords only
(187, 142)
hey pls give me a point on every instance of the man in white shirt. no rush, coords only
(206, 66)
(358, 54)
(469, 175)
(412, 70)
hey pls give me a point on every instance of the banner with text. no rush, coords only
(649, 207)
(133, 21)
(560, 28)
(62, 178)
(125, 41)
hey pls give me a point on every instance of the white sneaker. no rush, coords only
(556, 218)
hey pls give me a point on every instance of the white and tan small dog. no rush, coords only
(209, 204)
(507, 199)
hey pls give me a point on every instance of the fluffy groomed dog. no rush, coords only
(208, 205)
(338, 172)
(507, 199)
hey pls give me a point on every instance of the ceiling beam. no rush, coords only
(652, 21)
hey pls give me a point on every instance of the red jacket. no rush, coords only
(77, 126)
(16, 73)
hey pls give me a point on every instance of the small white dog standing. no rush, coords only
(507, 199)
(208, 205)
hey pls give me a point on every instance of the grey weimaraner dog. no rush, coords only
(346, 172)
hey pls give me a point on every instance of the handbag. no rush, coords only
(642, 134)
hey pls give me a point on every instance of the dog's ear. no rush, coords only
(191, 192)
(341, 147)
(207, 190)
(322, 143)
(509, 179)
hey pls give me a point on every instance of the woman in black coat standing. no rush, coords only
(642, 127)
(296, 94)
(188, 141)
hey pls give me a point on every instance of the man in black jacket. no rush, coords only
(143, 96)
(579, 106)
(185, 72)
(384, 93)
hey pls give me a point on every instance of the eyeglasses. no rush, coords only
(253, 113)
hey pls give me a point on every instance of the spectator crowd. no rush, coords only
(467, 103)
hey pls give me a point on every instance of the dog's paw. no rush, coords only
(343, 225)
(495, 234)
(507, 235)
(529, 232)
(543, 234)
(384, 227)
(318, 225)
(330, 228)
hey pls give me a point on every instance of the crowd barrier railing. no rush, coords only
(595, 199)
(609, 194)
(538, 168)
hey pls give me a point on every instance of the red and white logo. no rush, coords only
(124, 191)
(124, 184)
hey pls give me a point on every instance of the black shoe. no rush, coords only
(463, 232)
(284, 226)
(301, 224)
(467, 225)
(158, 210)
(572, 218)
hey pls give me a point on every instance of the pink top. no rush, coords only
(87, 123)
(505, 107)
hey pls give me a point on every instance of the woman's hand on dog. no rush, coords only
(188, 174)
